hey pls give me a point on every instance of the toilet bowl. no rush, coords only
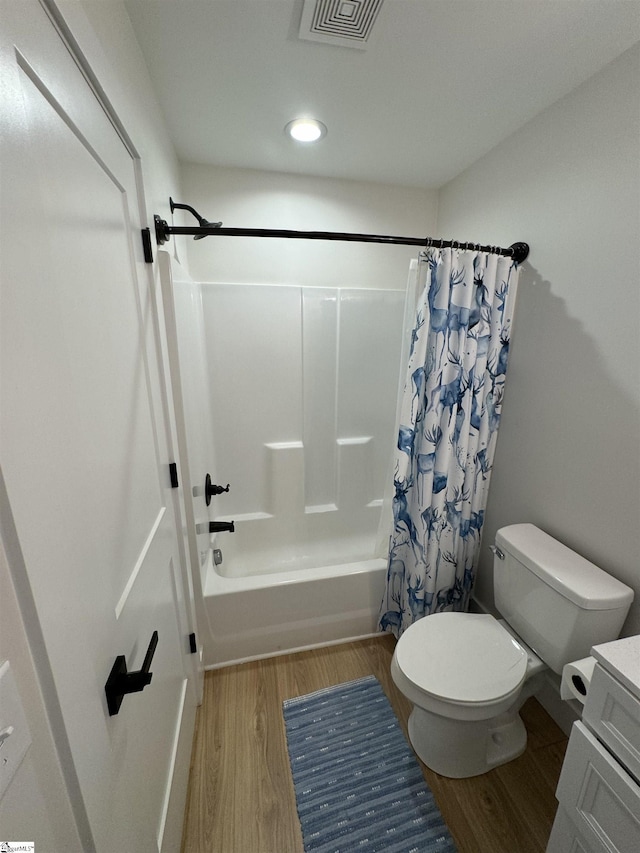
(468, 674)
(467, 677)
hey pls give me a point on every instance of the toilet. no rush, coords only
(468, 674)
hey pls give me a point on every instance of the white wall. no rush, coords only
(568, 456)
(246, 198)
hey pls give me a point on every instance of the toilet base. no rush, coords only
(462, 748)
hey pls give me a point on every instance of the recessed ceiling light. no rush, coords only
(306, 130)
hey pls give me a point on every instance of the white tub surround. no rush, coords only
(303, 385)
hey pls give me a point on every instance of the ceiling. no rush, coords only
(440, 84)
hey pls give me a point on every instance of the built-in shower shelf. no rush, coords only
(321, 508)
(246, 516)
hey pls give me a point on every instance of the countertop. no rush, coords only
(622, 659)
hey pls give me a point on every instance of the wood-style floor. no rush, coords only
(241, 797)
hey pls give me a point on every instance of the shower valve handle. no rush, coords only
(211, 489)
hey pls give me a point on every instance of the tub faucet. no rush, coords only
(221, 527)
(216, 527)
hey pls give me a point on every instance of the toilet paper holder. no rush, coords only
(576, 679)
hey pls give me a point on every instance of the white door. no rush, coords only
(83, 441)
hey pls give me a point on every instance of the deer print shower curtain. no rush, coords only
(449, 420)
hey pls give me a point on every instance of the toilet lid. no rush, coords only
(461, 657)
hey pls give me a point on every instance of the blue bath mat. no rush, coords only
(358, 785)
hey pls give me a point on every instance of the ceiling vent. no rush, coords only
(342, 22)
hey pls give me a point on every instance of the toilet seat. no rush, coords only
(462, 658)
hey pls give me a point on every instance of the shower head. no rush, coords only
(201, 220)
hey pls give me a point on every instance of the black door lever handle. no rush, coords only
(121, 682)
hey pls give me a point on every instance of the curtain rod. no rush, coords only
(517, 251)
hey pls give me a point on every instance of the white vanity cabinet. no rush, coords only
(599, 787)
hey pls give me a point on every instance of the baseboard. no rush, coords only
(476, 606)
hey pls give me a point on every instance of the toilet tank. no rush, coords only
(557, 602)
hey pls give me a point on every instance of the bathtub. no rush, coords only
(261, 615)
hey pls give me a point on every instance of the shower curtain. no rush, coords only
(449, 417)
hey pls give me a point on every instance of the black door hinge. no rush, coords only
(146, 245)
(173, 475)
(192, 644)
